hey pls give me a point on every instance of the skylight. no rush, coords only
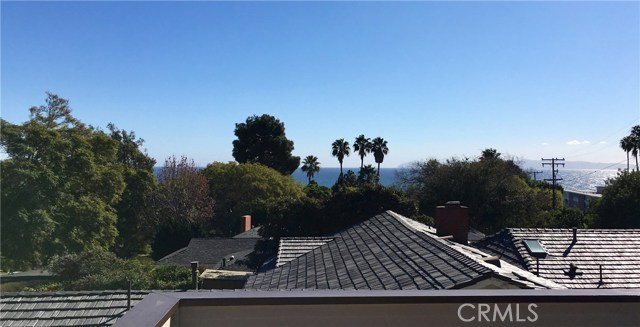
(535, 248)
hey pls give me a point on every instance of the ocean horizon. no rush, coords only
(584, 180)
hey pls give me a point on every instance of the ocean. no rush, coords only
(584, 180)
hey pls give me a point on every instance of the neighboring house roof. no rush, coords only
(387, 251)
(95, 308)
(293, 247)
(252, 233)
(617, 251)
(210, 252)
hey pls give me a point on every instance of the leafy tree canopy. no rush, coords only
(184, 205)
(262, 139)
(315, 217)
(498, 193)
(137, 219)
(619, 206)
(96, 269)
(246, 189)
(60, 185)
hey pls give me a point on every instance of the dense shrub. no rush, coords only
(100, 270)
(619, 206)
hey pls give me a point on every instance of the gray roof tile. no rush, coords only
(617, 250)
(380, 253)
(210, 252)
(99, 308)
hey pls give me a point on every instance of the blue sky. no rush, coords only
(435, 79)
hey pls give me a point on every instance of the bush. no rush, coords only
(100, 270)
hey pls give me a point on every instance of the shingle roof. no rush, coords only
(384, 252)
(617, 250)
(101, 308)
(210, 251)
(293, 247)
(502, 246)
(252, 233)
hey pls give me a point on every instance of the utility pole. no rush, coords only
(534, 173)
(554, 164)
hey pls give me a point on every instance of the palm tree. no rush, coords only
(311, 166)
(635, 143)
(340, 149)
(368, 175)
(379, 149)
(363, 146)
(627, 145)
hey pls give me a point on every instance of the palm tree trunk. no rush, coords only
(627, 161)
(637, 163)
(340, 168)
(378, 169)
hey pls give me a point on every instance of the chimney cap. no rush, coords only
(452, 204)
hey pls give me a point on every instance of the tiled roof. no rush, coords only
(384, 252)
(293, 247)
(502, 246)
(617, 251)
(210, 252)
(252, 233)
(65, 308)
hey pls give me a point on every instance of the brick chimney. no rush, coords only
(453, 219)
(245, 223)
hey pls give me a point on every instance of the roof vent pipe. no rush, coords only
(575, 232)
(601, 281)
(129, 291)
(194, 275)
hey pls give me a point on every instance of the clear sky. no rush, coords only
(435, 79)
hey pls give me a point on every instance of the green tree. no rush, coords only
(379, 149)
(262, 139)
(340, 149)
(183, 204)
(568, 218)
(60, 184)
(96, 269)
(367, 175)
(362, 146)
(619, 206)
(137, 221)
(311, 166)
(246, 189)
(318, 192)
(310, 217)
(490, 154)
(498, 193)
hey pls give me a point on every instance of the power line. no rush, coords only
(594, 172)
(580, 153)
(534, 173)
(554, 171)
